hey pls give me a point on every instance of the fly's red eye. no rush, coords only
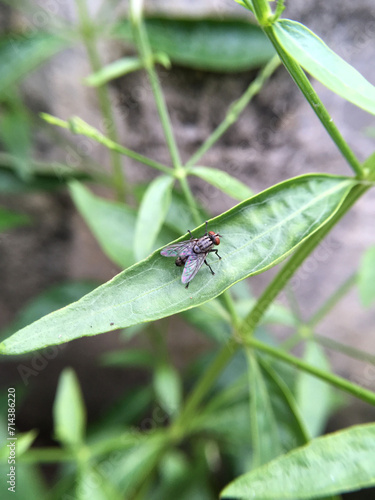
(211, 232)
(217, 240)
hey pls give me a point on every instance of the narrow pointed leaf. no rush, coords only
(223, 181)
(366, 278)
(207, 44)
(324, 64)
(168, 388)
(265, 437)
(291, 428)
(69, 411)
(257, 234)
(336, 463)
(314, 397)
(151, 215)
(119, 68)
(114, 70)
(111, 222)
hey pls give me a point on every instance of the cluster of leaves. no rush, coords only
(252, 401)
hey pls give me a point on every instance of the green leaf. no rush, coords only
(314, 397)
(41, 175)
(92, 485)
(112, 223)
(119, 68)
(15, 134)
(207, 44)
(336, 463)
(366, 278)
(9, 220)
(69, 410)
(21, 54)
(168, 388)
(291, 428)
(129, 357)
(257, 234)
(324, 64)
(265, 437)
(211, 319)
(223, 181)
(276, 426)
(151, 215)
(113, 70)
(136, 464)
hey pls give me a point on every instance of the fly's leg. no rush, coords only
(191, 237)
(206, 233)
(187, 286)
(214, 250)
(207, 264)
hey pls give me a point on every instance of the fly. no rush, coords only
(192, 253)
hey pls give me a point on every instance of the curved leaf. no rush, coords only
(257, 234)
(154, 207)
(336, 463)
(223, 181)
(69, 410)
(207, 44)
(111, 222)
(314, 397)
(324, 64)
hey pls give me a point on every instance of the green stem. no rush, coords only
(190, 200)
(308, 91)
(332, 379)
(182, 422)
(148, 62)
(227, 300)
(332, 300)
(78, 126)
(345, 349)
(287, 271)
(235, 109)
(89, 40)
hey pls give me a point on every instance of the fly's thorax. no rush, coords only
(203, 245)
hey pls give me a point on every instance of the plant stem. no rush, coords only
(312, 98)
(230, 307)
(330, 378)
(180, 425)
(345, 349)
(235, 109)
(89, 40)
(143, 45)
(78, 126)
(190, 200)
(332, 300)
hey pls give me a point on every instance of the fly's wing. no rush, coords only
(181, 249)
(192, 266)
